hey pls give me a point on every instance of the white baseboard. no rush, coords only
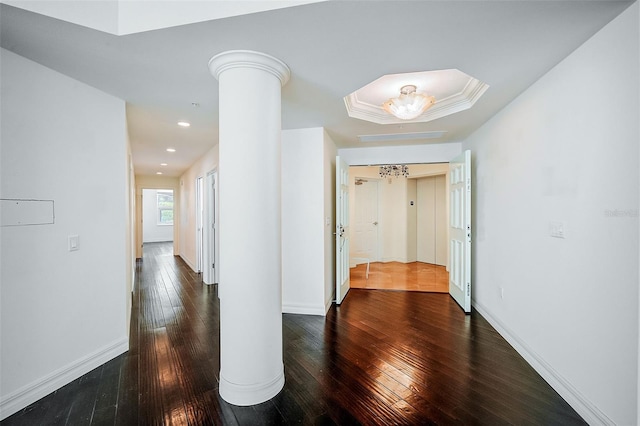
(328, 304)
(188, 262)
(23, 397)
(304, 309)
(589, 412)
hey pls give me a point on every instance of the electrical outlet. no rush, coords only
(557, 229)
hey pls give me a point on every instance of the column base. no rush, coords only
(252, 394)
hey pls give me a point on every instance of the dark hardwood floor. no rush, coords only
(382, 358)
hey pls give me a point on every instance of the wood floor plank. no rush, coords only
(381, 358)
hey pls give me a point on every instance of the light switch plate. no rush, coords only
(74, 243)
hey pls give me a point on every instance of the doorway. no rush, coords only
(210, 237)
(157, 215)
(365, 222)
(199, 225)
(411, 220)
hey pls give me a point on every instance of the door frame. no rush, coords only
(157, 183)
(199, 224)
(211, 234)
(342, 234)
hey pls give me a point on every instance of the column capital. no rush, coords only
(249, 59)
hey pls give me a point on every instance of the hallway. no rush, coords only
(380, 358)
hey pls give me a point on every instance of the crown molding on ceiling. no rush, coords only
(459, 97)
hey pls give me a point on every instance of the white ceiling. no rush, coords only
(332, 49)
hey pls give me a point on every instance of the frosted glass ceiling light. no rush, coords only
(409, 104)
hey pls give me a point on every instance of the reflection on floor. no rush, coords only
(414, 276)
(380, 358)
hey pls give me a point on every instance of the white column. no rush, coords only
(251, 368)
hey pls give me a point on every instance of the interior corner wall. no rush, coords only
(130, 243)
(566, 152)
(329, 170)
(62, 312)
(186, 240)
(412, 220)
(637, 12)
(303, 221)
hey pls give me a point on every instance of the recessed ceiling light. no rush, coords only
(183, 124)
(163, 164)
(171, 150)
(158, 173)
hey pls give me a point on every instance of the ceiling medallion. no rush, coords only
(394, 170)
(454, 91)
(409, 104)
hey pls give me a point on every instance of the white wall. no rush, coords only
(151, 231)
(303, 221)
(566, 150)
(329, 170)
(412, 220)
(188, 220)
(130, 235)
(308, 202)
(62, 313)
(432, 220)
(406, 154)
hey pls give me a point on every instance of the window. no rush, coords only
(165, 206)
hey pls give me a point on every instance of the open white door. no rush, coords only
(342, 229)
(364, 245)
(460, 230)
(199, 224)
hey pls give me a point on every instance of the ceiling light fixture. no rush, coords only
(394, 170)
(171, 150)
(158, 173)
(183, 124)
(163, 164)
(409, 104)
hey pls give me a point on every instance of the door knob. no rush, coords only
(375, 223)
